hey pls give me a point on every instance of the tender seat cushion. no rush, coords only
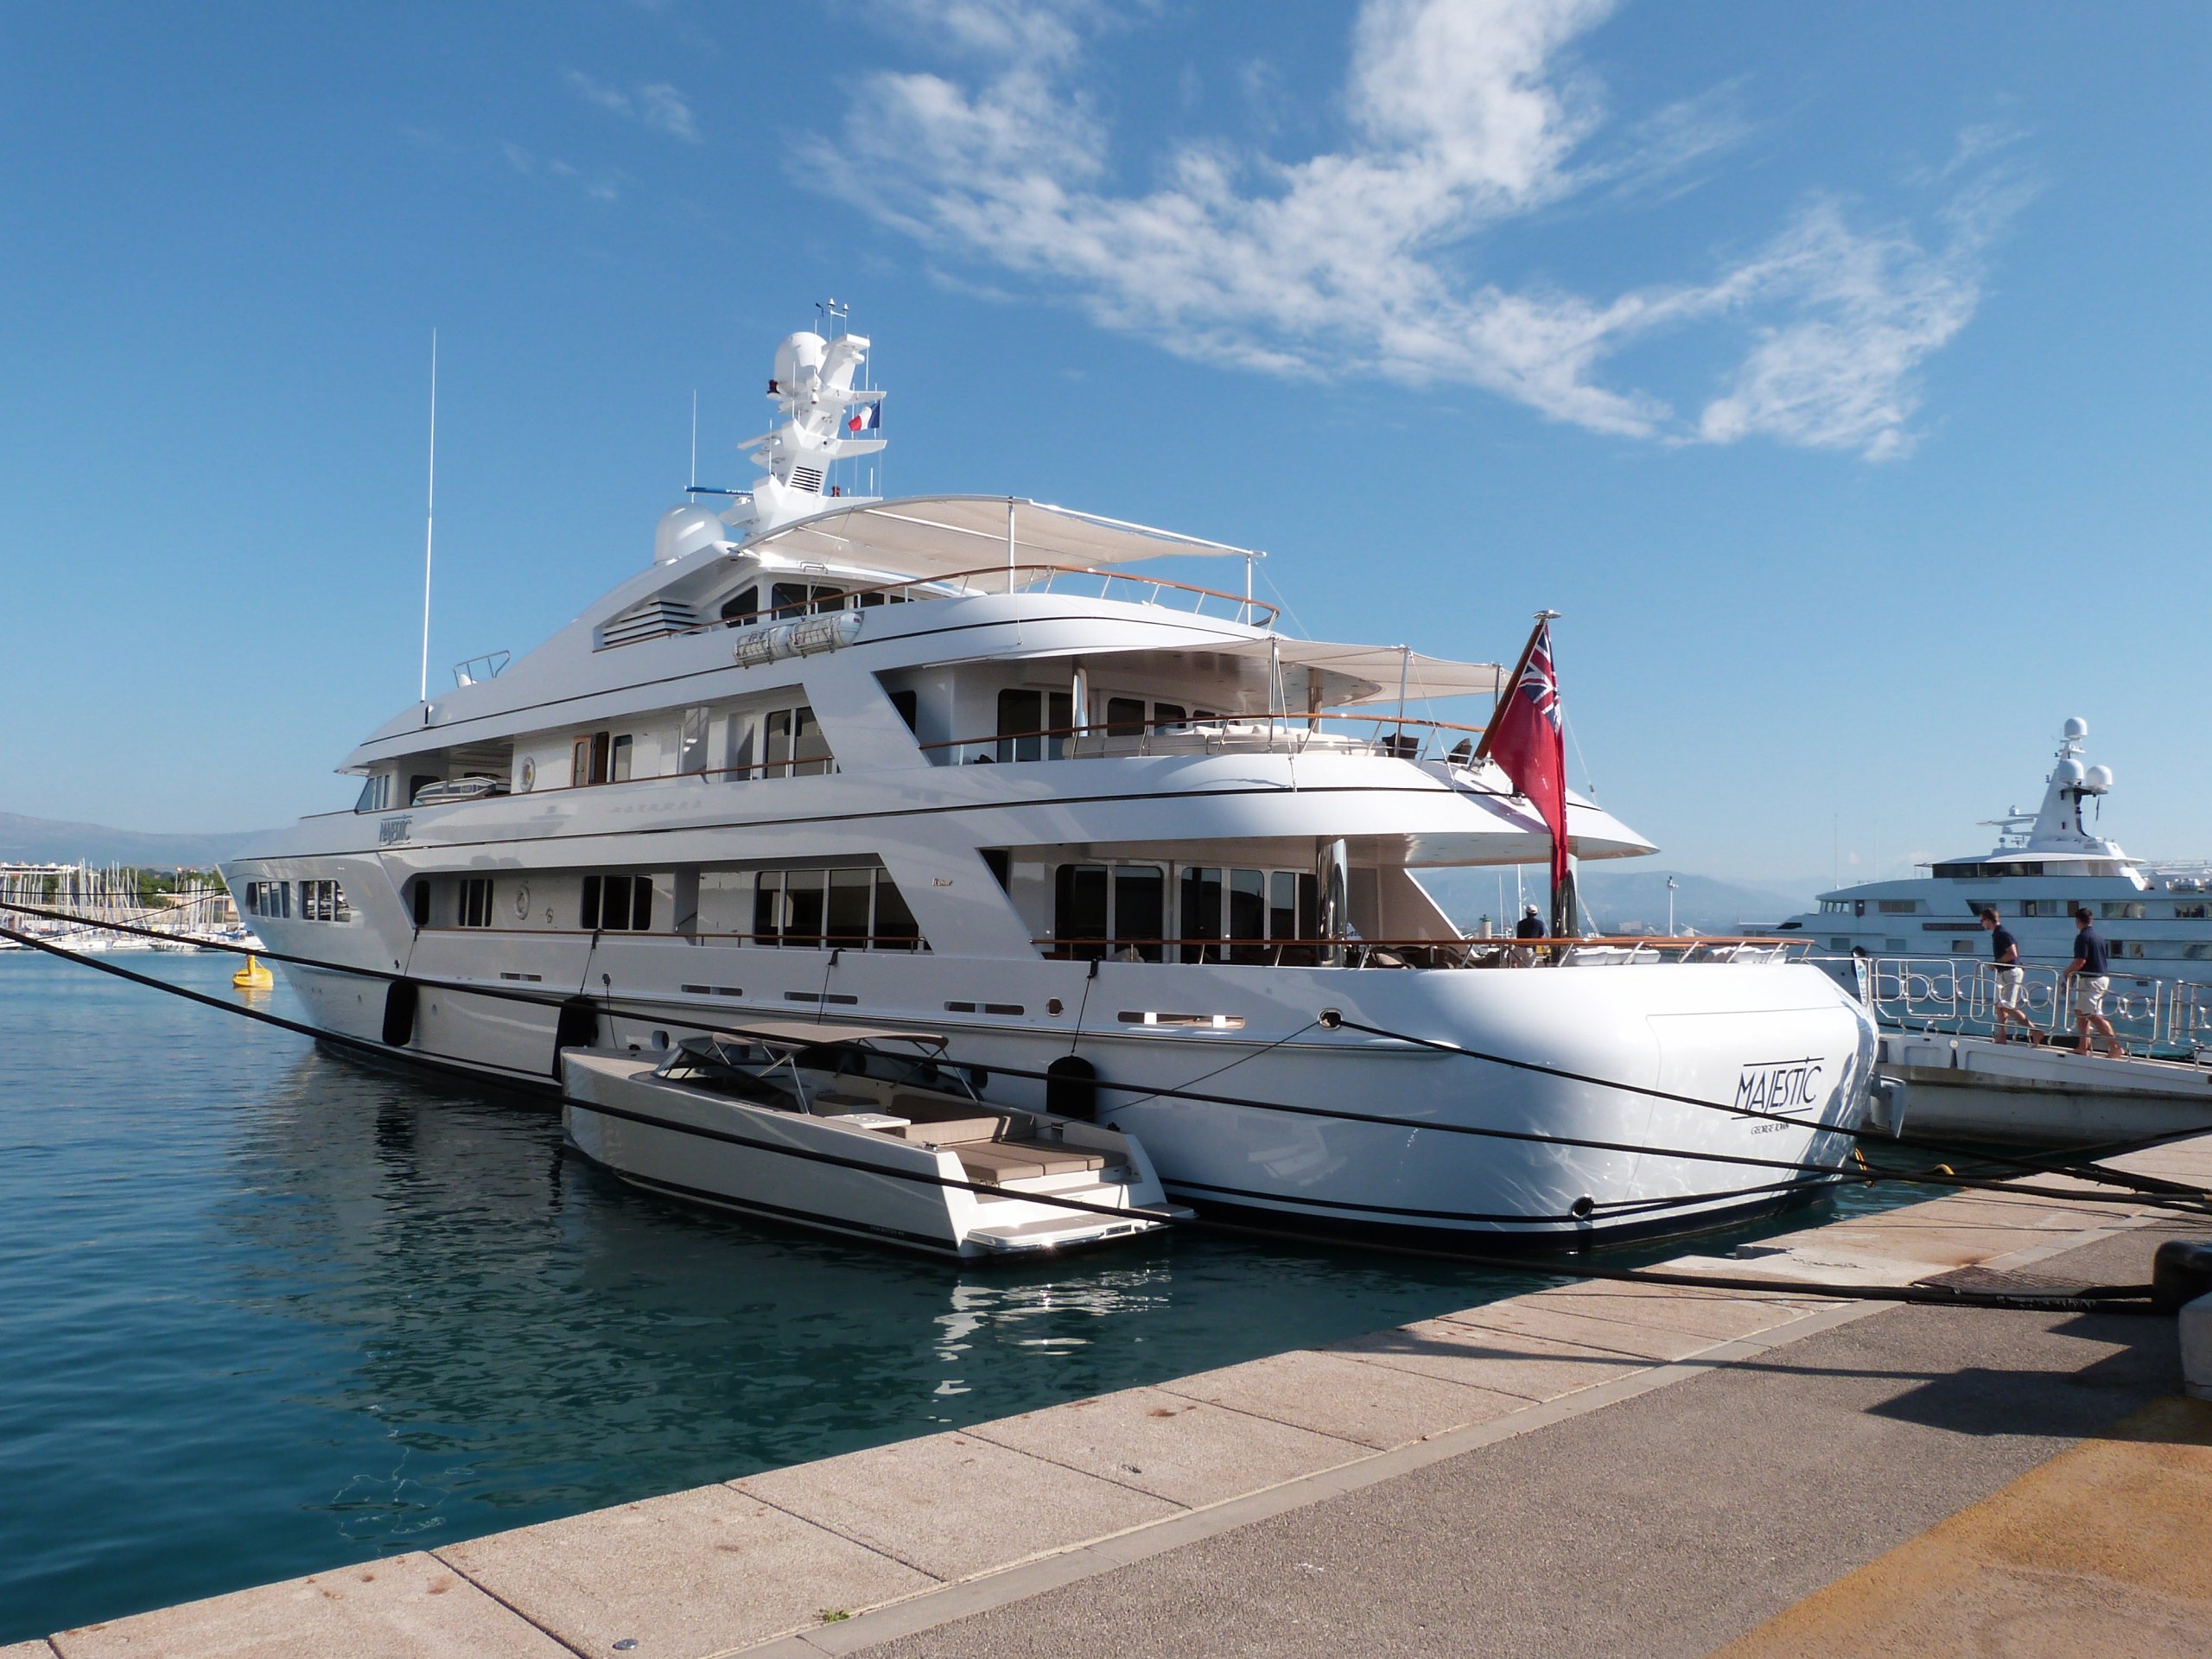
(990, 1161)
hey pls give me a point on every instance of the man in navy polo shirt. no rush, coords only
(2011, 978)
(2091, 958)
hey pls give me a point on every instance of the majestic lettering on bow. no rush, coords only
(1778, 1086)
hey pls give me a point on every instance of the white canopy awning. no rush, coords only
(942, 535)
(1372, 673)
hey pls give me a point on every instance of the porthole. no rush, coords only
(522, 901)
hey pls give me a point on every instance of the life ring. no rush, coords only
(529, 773)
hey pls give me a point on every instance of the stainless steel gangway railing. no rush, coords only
(2165, 1018)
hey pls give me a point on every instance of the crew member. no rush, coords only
(2091, 958)
(2011, 978)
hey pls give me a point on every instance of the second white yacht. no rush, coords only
(954, 763)
(2156, 916)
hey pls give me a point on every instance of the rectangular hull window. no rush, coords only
(803, 906)
(1199, 902)
(616, 904)
(692, 746)
(1079, 909)
(476, 908)
(1248, 915)
(895, 927)
(851, 892)
(1140, 911)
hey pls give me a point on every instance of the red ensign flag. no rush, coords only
(1528, 743)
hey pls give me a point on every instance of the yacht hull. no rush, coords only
(1589, 1102)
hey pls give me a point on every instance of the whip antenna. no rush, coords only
(429, 516)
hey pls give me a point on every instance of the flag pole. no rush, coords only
(1505, 687)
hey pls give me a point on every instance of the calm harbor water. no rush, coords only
(267, 1310)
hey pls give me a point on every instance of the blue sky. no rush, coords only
(1840, 373)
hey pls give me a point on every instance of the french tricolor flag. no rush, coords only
(865, 418)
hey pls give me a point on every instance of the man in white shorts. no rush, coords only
(2091, 957)
(2010, 1002)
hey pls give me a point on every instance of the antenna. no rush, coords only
(692, 477)
(429, 516)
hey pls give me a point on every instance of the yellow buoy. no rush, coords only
(253, 977)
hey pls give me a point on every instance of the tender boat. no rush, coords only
(861, 1131)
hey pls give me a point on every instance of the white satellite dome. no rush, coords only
(2069, 773)
(2076, 729)
(684, 529)
(2099, 780)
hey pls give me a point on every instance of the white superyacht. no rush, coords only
(2156, 916)
(949, 762)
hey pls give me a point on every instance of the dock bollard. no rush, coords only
(2181, 1278)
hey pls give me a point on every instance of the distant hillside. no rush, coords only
(1618, 899)
(42, 841)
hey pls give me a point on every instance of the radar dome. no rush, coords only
(2076, 729)
(2069, 773)
(684, 529)
(799, 355)
(2099, 780)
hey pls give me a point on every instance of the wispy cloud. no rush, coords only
(1460, 116)
(655, 104)
(600, 184)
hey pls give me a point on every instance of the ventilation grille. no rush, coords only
(808, 479)
(648, 620)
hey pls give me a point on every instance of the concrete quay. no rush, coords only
(1622, 1469)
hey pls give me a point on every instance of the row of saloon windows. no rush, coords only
(1033, 725)
(756, 743)
(319, 901)
(788, 599)
(1121, 913)
(857, 909)
(2111, 910)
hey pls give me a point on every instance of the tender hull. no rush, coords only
(818, 1173)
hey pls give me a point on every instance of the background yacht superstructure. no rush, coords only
(956, 760)
(2156, 916)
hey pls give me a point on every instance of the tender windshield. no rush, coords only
(727, 1068)
(905, 1071)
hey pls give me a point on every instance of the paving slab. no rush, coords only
(1330, 1394)
(27, 1651)
(1531, 1317)
(952, 1504)
(1722, 1315)
(678, 1577)
(403, 1607)
(1535, 1368)
(1183, 1450)
(2106, 1548)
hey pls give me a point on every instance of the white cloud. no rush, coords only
(655, 104)
(1460, 118)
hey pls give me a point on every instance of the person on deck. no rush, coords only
(2091, 958)
(1530, 926)
(2011, 978)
